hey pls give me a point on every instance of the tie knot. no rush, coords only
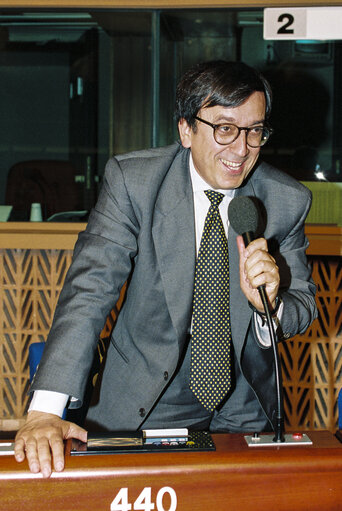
(214, 197)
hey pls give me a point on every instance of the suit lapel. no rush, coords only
(174, 238)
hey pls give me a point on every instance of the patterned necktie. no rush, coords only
(210, 371)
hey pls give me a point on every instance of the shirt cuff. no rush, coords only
(261, 327)
(48, 401)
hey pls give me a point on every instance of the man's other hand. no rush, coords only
(41, 439)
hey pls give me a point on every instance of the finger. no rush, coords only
(258, 255)
(77, 432)
(265, 267)
(19, 450)
(32, 455)
(240, 245)
(263, 280)
(44, 456)
(269, 279)
(258, 244)
(259, 263)
(242, 256)
(70, 430)
(57, 448)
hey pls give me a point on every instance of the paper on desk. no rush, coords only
(6, 448)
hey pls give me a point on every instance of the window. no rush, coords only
(79, 86)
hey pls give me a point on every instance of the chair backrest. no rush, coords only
(35, 354)
(49, 182)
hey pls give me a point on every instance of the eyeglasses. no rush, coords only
(225, 134)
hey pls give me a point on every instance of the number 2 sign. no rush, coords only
(284, 23)
(321, 23)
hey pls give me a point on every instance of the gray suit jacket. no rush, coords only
(142, 231)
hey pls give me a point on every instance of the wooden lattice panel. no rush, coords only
(31, 281)
(312, 362)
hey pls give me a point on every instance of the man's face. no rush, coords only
(224, 166)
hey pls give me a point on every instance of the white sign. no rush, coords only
(320, 23)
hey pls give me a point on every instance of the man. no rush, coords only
(146, 229)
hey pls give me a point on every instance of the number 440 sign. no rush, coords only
(144, 502)
(321, 23)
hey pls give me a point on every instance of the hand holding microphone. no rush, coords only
(258, 269)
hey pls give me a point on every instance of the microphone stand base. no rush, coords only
(291, 439)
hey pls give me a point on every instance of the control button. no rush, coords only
(297, 436)
(142, 412)
(166, 375)
(256, 437)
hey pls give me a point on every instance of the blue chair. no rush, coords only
(339, 403)
(35, 354)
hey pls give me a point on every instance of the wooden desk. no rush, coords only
(324, 239)
(234, 477)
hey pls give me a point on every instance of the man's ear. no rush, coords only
(185, 133)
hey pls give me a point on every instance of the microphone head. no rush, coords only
(243, 215)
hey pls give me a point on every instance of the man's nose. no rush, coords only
(240, 143)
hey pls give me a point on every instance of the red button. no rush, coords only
(297, 436)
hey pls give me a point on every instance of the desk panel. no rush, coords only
(234, 477)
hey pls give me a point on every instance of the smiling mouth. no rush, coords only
(233, 166)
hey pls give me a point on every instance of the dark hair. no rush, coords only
(218, 82)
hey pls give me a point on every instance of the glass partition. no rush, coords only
(79, 86)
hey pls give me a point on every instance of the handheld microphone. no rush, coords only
(243, 216)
